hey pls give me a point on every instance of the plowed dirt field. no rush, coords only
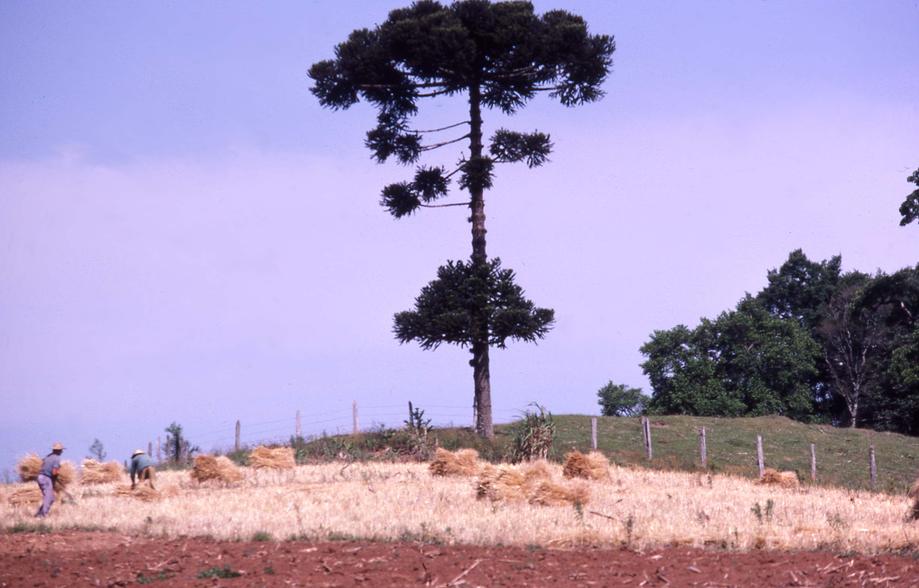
(108, 559)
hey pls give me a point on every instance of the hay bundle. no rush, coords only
(464, 462)
(95, 472)
(28, 496)
(30, 465)
(146, 493)
(776, 478)
(550, 493)
(512, 483)
(590, 466)
(277, 458)
(914, 494)
(208, 467)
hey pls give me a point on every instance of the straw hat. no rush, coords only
(57, 447)
(137, 452)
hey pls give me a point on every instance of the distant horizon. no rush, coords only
(188, 236)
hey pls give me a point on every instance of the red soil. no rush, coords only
(108, 559)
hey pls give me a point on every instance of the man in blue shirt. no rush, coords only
(50, 467)
(142, 468)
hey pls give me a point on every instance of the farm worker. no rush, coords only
(142, 468)
(50, 467)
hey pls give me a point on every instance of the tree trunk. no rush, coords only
(480, 372)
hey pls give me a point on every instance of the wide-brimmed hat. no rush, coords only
(57, 447)
(137, 452)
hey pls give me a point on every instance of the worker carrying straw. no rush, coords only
(142, 468)
(50, 468)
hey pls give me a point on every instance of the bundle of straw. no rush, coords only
(464, 462)
(95, 472)
(277, 458)
(590, 466)
(777, 478)
(209, 467)
(27, 496)
(512, 483)
(914, 494)
(28, 467)
(146, 493)
(550, 493)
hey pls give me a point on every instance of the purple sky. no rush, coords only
(185, 235)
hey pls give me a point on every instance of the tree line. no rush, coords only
(816, 344)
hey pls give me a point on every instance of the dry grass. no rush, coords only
(95, 472)
(272, 458)
(464, 462)
(589, 466)
(634, 507)
(531, 482)
(777, 478)
(220, 468)
(146, 493)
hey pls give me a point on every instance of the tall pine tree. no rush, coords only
(499, 56)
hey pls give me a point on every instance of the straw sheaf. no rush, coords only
(914, 494)
(29, 496)
(209, 467)
(146, 493)
(512, 483)
(95, 472)
(464, 462)
(551, 493)
(590, 466)
(277, 458)
(777, 478)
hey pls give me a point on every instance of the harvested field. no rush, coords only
(636, 508)
(109, 559)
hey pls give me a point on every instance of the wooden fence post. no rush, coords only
(872, 468)
(355, 427)
(759, 455)
(703, 449)
(159, 450)
(593, 433)
(646, 425)
(150, 448)
(410, 407)
(298, 430)
(813, 463)
(238, 427)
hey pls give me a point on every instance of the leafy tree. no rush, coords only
(910, 207)
(800, 288)
(178, 449)
(620, 400)
(744, 363)
(97, 450)
(499, 55)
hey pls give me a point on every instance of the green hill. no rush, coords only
(842, 454)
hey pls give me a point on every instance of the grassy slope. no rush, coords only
(842, 454)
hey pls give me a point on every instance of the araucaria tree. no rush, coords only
(498, 56)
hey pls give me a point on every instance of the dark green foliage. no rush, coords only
(511, 147)
(744, 363)
(909, 210)
(445, 309)
(815, 344)
(178, 449)
(533, 435)
(621, 400)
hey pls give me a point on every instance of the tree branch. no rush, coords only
(446, 205)
(438, 145)
(417, 132)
